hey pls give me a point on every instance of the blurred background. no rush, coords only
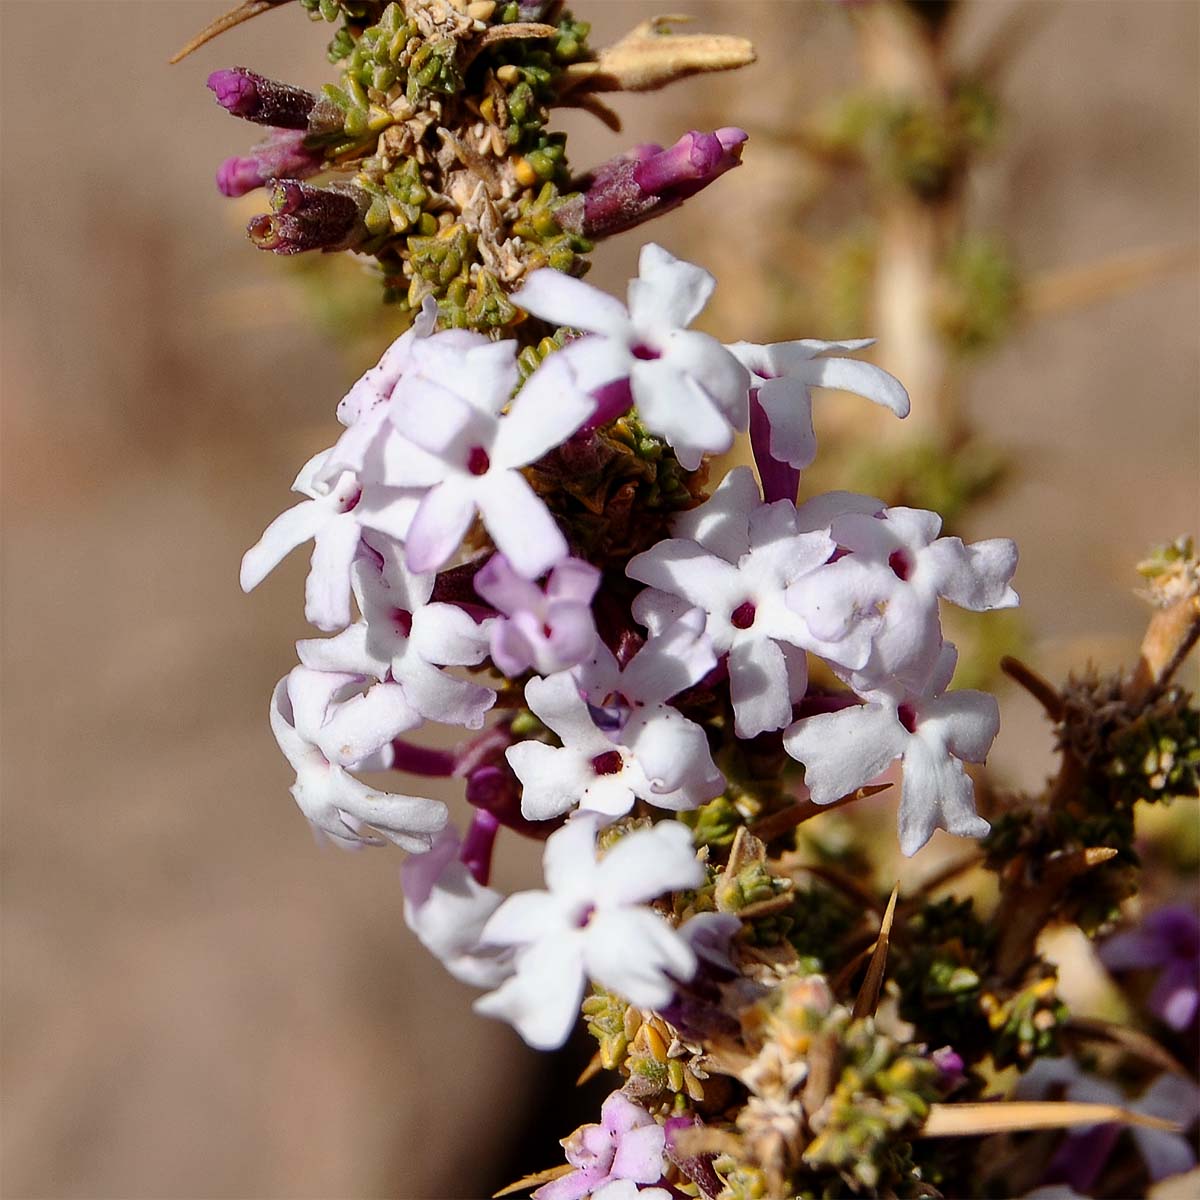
(197, 999)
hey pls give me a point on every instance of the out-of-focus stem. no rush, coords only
(902, 59)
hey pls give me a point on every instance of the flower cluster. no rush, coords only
(422, 513)
(660, 665)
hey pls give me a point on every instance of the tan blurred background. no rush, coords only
(197, 1000)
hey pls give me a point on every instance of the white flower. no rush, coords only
(933, 733)
(457, 446)
(402, 642)
(447, 910)
(687, 387)
(737, 557)
(784, 373)
(897, 561)
(647, 750)
(593, 923)
(337, 804)
(334, 516)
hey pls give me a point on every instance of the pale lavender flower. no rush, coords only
(447, 909)
(737, 558)
(1168, 942)
(402, 642)
(626, 1146)
(1085, 1150)
(593, 923)
(781, 424)
(467, 456)
(548, 628)
(375, 385)
(932, 733)
(334, 516)
(687, 387)
(335, 803)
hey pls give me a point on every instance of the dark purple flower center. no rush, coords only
(645, 353)
(585, 916)
(901, 564)
(608, 763)
(742, 617)
(403, 620)
(478, 461)
(908, 717)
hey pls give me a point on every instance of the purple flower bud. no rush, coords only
(951, 1069)
(306, 218)
(649, 181)
(263, 101)
(692, 163)
(283, 155)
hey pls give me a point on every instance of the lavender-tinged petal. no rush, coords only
(504, 589)
(561, 300)
(547, 410)
(758, 681)
(438, 696)
(439, 526)
(445, 635)
(679, 657)
(639, 1154)
(327, 588)
(640, 868)
(967, 722)
(722, 523)
(289, 530)
(975, 577)
(787, 407)
(842, 751)
(520, 524)
(364, 724)
(542, 999)
(863, 379)
(936, 794)
(635, 953)
(668, 291)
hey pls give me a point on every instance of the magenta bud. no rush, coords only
(283, 155)
(263, 101)
(692, 163)
(649, 181)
